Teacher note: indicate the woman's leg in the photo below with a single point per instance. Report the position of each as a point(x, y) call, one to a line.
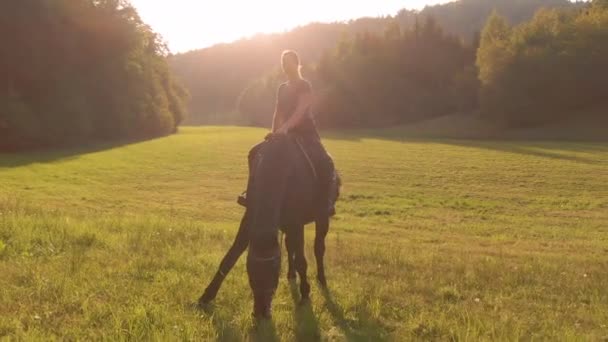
point(324, 169)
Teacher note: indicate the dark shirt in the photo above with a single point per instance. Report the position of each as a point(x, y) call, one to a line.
point(287, 103)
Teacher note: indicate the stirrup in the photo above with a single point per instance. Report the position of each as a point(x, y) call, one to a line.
point(242, 199)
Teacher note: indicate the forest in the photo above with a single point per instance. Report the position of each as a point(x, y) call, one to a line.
point(74, 71)
point(515, 63)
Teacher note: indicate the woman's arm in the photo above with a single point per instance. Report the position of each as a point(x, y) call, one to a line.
point(304, 102)
point(277, 120)
point(278, 117)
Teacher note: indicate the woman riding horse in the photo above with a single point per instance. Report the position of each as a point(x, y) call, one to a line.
point(289, 185)
point(293, 115)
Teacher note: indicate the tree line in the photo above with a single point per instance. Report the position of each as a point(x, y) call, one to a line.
point(82, 70)
point(545, 69)
point(379, 71)
point(538, 72)
point(382, 79)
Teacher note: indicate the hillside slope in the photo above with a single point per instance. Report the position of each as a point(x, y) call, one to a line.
point(581, 126)
point(216, 76)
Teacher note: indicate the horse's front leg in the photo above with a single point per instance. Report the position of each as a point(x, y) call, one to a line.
point(321, 230)
point(238, 247)
point(300, 260)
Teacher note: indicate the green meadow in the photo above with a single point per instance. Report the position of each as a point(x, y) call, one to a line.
point(434, 240)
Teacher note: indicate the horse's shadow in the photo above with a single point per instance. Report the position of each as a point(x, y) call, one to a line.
point(371, 332)
point(306, 323)
point(307, 326)
point(262, 331)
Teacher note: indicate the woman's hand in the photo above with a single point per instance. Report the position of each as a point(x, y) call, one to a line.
point(282, 131)
point(279, 132)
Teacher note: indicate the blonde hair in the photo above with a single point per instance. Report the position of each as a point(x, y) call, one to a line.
point(290, 54)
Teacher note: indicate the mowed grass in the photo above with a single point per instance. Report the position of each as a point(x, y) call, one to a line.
point(434, 240)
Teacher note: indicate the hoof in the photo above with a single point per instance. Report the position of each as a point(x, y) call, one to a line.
point(304, 290)
point(304, 301)
point(322, 282)
point(261, 315)
point(242, 200)
point(203, 307)
point(205, 299)
point(262, 307)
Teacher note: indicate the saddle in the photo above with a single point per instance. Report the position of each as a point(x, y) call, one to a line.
point(325, 176)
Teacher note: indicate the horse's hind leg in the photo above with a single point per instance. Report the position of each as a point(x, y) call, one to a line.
point(300, 260)
point(291, 255)
point(321, 230)
point(234, 253)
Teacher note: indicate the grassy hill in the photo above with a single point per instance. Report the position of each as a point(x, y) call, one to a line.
point(435, 239)
point(588, 125)
point(218, 75)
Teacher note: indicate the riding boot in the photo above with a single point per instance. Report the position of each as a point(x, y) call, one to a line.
point(327, 184)
point(333, 191)
point(242, 199)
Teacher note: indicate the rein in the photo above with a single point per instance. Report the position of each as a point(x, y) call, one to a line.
point(310, 163)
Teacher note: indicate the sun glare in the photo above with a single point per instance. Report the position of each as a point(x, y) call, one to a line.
point(191, 24)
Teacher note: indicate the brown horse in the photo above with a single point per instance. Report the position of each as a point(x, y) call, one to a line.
point(284, 195)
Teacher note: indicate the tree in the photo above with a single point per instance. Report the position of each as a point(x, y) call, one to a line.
point(78, 70)
point(493, 55)
point(546, 69)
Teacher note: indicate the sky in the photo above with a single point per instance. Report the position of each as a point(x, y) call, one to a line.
point(193, 24)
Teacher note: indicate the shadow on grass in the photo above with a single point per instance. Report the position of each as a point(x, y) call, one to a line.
point(48, 155)
point(557, 150)
point(553, 151)
point(261, 331)
point(305, 322)
point(361, 329)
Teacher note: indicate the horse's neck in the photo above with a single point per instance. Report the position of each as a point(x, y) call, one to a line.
point(272, 172)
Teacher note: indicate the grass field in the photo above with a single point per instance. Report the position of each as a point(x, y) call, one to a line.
point(434, 240)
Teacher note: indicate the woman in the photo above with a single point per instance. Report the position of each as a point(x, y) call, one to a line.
point(293, 112)
point(293, 115)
